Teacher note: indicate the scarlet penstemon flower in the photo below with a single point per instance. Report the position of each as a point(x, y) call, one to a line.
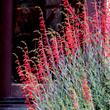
point(71, 30)
point(49, 50)
point(30, 108)
point(68, 30)
point(86, 90)
point(69, 35)
point(106, 28)
point(60, 47)
point(45, 41)
point(54, 46)
point(28, 80)
point(26, 61)
point(19, 68)
point(42, 63)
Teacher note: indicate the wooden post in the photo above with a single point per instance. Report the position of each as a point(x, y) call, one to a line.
point(5, 47)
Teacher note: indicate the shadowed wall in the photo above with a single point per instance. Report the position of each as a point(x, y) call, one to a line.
point(5, 47)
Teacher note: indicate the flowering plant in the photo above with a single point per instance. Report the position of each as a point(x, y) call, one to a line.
point(64, 72)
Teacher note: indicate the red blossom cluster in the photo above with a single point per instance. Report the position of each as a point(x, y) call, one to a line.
point(54, 47)
point(26, 61)
point(19, 69)
point(86, 91)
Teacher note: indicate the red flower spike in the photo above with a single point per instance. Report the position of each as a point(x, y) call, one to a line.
point(86, 91)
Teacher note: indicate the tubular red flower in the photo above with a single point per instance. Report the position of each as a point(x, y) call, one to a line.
point(86, 91)
point(19, 70)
